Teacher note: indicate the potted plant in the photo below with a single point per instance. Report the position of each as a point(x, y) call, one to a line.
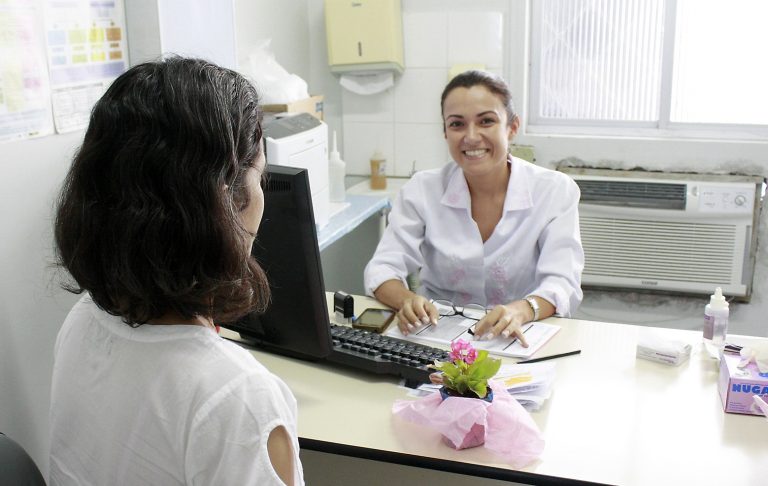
point(466, 375)
point(472, 409)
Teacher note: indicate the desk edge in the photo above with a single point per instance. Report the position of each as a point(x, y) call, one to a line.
point(455, 467)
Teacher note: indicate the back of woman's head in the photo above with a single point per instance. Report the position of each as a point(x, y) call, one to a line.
point(493, 83)
point(148, 220)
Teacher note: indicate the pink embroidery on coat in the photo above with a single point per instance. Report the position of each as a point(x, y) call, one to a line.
point(457, 276)
point(498, 274)
point(496, 297)
point(498, 280)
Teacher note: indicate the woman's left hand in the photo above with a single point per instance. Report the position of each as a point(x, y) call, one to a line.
point(505, 320)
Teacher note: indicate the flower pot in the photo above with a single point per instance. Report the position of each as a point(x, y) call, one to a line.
point(450, 393)
point(475, 436)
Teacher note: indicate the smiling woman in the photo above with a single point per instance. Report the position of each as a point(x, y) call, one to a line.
point(487, 228)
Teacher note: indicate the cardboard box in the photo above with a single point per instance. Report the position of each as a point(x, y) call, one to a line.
point(312, 105)
point(737, 386)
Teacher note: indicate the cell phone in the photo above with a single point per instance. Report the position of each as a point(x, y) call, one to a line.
point(374, 320)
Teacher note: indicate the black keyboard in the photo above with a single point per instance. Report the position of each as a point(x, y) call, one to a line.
point(374, 353)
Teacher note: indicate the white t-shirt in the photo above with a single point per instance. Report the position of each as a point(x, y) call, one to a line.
point(535, 248)
point(161, 405)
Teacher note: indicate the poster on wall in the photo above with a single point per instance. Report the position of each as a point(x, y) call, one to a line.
point(86, 51)
point(25, 103)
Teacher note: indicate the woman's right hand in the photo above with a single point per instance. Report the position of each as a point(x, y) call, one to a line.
point(415, 312)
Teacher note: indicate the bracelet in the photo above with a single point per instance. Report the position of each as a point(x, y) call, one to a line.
point(534, 307)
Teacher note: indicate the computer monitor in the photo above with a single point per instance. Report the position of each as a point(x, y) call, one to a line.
point(296, 322)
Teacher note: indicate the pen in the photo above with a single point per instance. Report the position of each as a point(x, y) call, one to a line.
point(545, 358)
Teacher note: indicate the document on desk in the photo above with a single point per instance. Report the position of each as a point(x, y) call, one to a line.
point(451, 328)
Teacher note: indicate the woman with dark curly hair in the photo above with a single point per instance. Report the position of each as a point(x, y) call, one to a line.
point(155, 224)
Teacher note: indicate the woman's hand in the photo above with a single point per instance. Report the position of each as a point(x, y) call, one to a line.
point(414, 312)
point(505, 320)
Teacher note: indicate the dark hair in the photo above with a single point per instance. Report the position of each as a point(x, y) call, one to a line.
point(148, 218)
point(493, 83)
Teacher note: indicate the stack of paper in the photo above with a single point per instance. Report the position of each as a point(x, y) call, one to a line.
point(531, 383)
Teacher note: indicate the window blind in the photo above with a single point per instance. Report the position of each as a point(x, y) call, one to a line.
point(600, 59)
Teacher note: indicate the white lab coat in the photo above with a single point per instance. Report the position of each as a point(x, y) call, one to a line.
point(535, 248)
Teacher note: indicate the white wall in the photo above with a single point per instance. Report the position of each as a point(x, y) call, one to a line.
point(32, 306)
point(404, 122)
point(320, 79)
point(284, 22)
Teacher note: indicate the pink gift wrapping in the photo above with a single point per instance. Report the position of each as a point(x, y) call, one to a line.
point(510, 432)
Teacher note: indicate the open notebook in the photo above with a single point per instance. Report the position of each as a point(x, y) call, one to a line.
point(451, 328)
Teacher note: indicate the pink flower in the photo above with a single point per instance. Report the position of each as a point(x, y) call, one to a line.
point(462, 350)
point(468, 370)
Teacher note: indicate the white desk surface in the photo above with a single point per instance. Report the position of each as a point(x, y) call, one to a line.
point(359, 208)
point(394, 184)
point(611, 419)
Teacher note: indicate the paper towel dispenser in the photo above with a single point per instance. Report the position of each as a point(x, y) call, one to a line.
point(364, 35)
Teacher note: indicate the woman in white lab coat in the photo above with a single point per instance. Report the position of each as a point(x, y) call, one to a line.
point(487, 228)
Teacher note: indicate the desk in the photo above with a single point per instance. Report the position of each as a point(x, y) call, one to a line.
point(349, 239)
point(611, 419)
point(394, 184)
point(360, 208)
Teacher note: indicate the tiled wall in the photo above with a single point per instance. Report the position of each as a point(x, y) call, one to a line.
point(404, 122)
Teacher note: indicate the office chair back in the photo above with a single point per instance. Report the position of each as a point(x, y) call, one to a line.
point(16, 467)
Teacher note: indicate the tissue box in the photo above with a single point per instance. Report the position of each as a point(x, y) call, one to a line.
point(312, 105)
point(737, 386)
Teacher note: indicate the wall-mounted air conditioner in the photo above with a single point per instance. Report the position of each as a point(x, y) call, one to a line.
point(668, 232)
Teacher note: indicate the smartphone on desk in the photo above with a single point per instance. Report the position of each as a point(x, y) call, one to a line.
point(374, 320)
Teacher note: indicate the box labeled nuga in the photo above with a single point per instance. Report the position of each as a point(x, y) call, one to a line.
point(737, 385)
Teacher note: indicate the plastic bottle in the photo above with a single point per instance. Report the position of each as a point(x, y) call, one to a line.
point(336, 172)
point(378, 171)
point(715, 323)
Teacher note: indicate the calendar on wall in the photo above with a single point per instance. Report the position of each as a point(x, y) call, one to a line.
point(58, 58)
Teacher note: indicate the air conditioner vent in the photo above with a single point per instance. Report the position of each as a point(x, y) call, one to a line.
point(653, 250)
point(650, 195)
